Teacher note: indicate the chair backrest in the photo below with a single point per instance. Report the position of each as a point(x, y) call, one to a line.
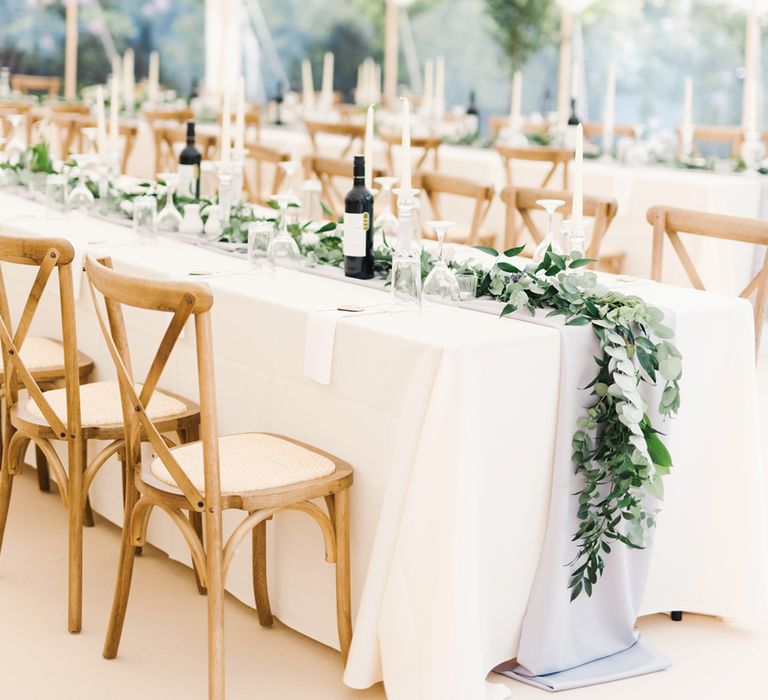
point(352, 130)
point(733, 135)
point(260, 154)
point(433, 184)
point(499, 122)
point(168, 136)
point(669, 222)
point(8, 109)
point(183, 300)
point(36, 83)
point(48, 255)
point(594, 129)
point(428, 145)
point(328, 170)
point(557, 157)
point(520, 201)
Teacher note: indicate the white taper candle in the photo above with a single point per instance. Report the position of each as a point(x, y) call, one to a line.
point(368, 148)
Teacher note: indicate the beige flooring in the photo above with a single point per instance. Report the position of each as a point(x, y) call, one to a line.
point(163, 652)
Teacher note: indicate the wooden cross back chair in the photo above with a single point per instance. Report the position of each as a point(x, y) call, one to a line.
point(160, 121)
point(521, 201)
point(733, 135)
point(75, 414)
point(261, 155)
point(328, 170)
point(434, 184)
point(354, 132)
point(498, 123)
point(51, 85)
point(428, 145)
point(594, 130)
point(260, 473)
point(556, 157)
point(669, 222)
point(8, 109)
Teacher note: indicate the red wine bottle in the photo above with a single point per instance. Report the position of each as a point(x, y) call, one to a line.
point(358, 226)
point(189, 167)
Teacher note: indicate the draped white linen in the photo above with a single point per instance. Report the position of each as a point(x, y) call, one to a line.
point(449, 420)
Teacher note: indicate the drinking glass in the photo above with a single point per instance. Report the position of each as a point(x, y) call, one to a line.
point(56, 193)
point(550, 206)
point(80, 198)
point(467, 286)
point(575, 237)
point(441, 285)
point(15, 147)
point(283, 249)
point(386, 220)
point(169, 218)
point(259, 239)
point(145, 217)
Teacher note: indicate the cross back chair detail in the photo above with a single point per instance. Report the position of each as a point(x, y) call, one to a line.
point(353, 131)
point(75, 414)
point(521, 201)
point(51, 85)
point(327, 171)
point(260, 473)
point(260, 155)
point(428, 145)
point(670, 222)
point(557, 157)
point(433, 184)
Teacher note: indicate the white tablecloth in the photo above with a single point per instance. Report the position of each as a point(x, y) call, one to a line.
point(449, 419)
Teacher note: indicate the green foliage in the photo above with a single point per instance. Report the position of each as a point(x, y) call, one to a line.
point(522, 27)
point(37, 159)
point(616, 449)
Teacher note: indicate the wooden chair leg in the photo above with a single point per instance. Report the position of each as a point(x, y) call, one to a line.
point(43, 476)
point(77, 450)
point(88, 514)
point(197, 523)
point(6, 486)
point(215, 614)
point(124, 577)
point(260, 589)
point(124, 478)
point(343, 597)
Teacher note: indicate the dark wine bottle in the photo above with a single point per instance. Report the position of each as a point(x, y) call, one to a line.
point(358, 226)
point(189, 167)
point(472, 109)
point(573, 120)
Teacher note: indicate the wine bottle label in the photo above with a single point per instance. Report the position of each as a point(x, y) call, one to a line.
point(355, 227)
point(187, 184)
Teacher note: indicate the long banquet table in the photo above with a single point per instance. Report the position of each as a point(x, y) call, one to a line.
point(449, 420)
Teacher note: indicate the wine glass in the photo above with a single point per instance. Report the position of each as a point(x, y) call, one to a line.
point(441, 285)
point(283, 249)
point(386, 220)
point(80, 197)
point(550, 206)
point(15, 147)
point(169, 218)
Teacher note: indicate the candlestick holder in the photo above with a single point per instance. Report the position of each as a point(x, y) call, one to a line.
point(574, 236)
point(686, 142)
point(238, 173)
point(225, 191)
point(406, 258)
point(752, 151)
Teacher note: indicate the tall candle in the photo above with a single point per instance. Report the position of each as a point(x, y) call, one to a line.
point(226, 125)
point(577, 211)
point(515, 111)
point(128, 79)
point(240, 116)
point(308, 87)
point(101, 121)
point(153, 80)
point(368, 148)
point(405, 148)
point(440, 86)
point(609, 112)
point(688, 104)
point(429, 82)
point(114, 112)
point(749, 100)
point(327, 87)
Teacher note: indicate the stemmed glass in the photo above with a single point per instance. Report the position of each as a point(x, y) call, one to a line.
point(80, 197)
point(550, 206)
point(283, 249)
point(441, 285)
point(386, 220)
point(169, 218)
point(15, 146)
